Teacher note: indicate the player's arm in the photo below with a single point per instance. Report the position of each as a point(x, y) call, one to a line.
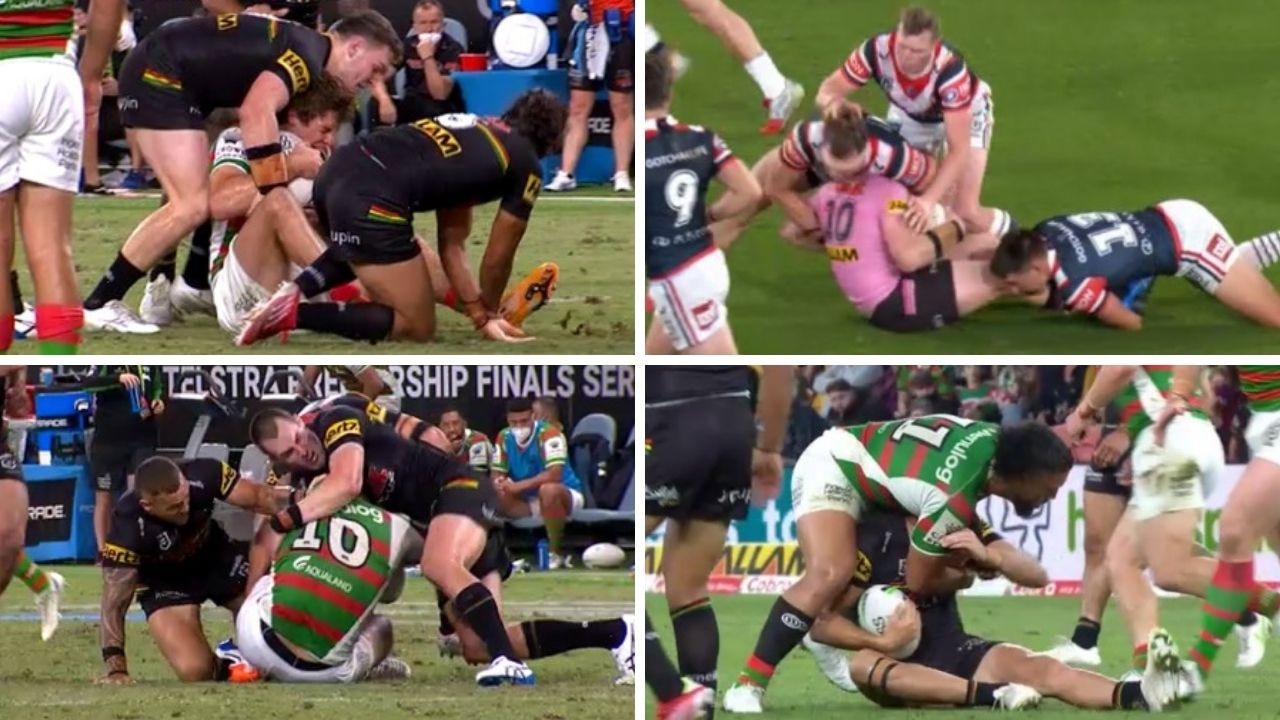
point(742, 190)
point(928, 570)
point(453, 226)
point(853, 74)
point(957, 123)
point(259, 497)
point(439, 83)
point(265, 542)
point(232, 193)
point(371, 385)
point(1107, 384)
point(495, 267)
point(268, 95)
point(343, 441)
point(118, 586)
point(1113, 312)
point(310, 374)
point(1017, 565)
point(101, 31)
point(498, 469)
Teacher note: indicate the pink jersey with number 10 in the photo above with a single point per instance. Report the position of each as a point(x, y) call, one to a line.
point(850, 216)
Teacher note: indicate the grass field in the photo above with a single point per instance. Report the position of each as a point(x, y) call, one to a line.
point(589, 235)
point(55, 680)
point(799, 690)
point(1099, 106)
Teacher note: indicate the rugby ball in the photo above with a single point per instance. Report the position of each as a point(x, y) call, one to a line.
point(876, 606)
point(603, 555)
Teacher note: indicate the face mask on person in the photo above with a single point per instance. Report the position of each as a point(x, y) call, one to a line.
point(522, 434)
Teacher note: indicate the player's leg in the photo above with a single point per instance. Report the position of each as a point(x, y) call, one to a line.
point(974, 285)
point(9, 303)
point(13, 527)
point(45, 216)
point(720, 342)
point(1102, 512)
point(1134, 595)
point(694, 546)
point(622, 104)
point(892, 683)
point(968, 191)
point(179, 635)
point(1247, 291)
point(690, 305)
point(401, 305)
point(555, 502)
point(582, 96)
point(1052, 678)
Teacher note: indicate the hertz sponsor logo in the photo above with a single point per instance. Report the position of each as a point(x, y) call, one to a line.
point(341, 429)
point(299, 75)
point(743, 559)
point(117, 554)
point(445, 140)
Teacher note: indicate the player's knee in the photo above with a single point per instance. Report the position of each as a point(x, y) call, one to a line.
point(1234, 534)
point(1095, 545)
point(194, 669)
point(416, 329)
point(1171, 576)
point(552, 493)
point(191, 210)
point(972, 216)
point(830, 573)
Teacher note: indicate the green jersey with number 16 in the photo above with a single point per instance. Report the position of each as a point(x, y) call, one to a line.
point(331, 573)
point(937, 468)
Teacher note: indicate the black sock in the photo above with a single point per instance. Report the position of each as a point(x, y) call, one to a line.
point(782, 631)
point(983, 694)
point(697, 642)
point(358, 321)
point(552, 637)
point(446, 625)
point(196, 270)
point(115, 282)
point(476, 604)
point(659, 674)
point(166, 267)
point(16, 290)
point(1247, 618)
point(221, 669)
point(325, 273)
point(1086, 634)
point(1128, 696)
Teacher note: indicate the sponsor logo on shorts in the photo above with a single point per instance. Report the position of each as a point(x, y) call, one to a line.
point(344, 238)
point(706, 314)
point(735, 497)
point(299, 75)
point(8, 462)
point(488, 513)
point(341, 429)
point(664, 495)
point(838, 493)
point(1219, 247)
point(623, 79)
point(125, 102)
point(794, 622)
point(47, 512)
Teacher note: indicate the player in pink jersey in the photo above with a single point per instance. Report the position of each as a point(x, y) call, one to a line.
point(939, 103)
point(899, 279)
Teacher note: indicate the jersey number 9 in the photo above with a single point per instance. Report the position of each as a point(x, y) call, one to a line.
point(682, 195)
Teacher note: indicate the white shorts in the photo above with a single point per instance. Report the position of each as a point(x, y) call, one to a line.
point(235, 293)
point(1263, 436)
point(41, 123)
point(253, 613)
point(1205, 249)
point(690, 300)
point(535, 505)
point(818, 483)
point(932, 137)
point(1187, 437)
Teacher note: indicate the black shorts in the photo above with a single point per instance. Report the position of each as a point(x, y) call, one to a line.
point(955, 654)
point(468, 493)
point(923, 300)
point(495, 557)
point(218, 573)
point(619, 71)
point(367, 220)
point(1107, 483)
point(113, 461)
point(698, 459)
point(151, 92)
point(10, 467)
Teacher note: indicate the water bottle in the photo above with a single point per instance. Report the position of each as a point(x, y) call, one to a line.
point(46, 376)
point(544, 555)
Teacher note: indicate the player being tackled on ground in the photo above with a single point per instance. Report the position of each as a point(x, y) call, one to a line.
point(366, 197)
point(934, 468)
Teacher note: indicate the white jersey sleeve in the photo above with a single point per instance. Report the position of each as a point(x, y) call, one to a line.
point(228, 151)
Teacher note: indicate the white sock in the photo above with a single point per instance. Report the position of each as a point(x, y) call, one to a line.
point(1263, 250)
point(1000, 223)
point(766, 75)
point(651, 38)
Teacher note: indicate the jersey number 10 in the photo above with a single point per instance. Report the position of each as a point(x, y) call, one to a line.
point(339, 530)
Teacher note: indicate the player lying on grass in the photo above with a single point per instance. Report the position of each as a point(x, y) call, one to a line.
point(1089, 262)
point(935, 468)
point(898, 279)
point(951, 666)
point(941, 106)
point(164, 544)
point(366, 197)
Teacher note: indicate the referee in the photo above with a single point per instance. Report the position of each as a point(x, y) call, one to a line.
point(128, 400)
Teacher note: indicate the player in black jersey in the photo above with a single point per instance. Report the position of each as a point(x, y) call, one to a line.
point(688, 277)
point(303, 12)
point(409, 427)
point(164, 543)
point(456, 507)
point(701, 473)
point(366, 197)
point(184, 70)
point(13, 491)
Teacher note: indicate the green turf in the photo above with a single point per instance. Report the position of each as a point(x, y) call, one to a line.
point(55, 680)
point(799, 690)
point(593, 311)
point(1099, 106)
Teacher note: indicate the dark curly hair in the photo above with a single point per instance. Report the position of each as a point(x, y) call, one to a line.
point(1016, 250)
point(539, 116)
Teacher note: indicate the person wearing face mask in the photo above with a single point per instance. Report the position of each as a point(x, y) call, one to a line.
point(164, 544)
point(533, 476)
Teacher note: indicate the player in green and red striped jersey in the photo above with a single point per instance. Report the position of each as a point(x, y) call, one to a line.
point(1251, 513)
point(312, 618)
point(934, 468)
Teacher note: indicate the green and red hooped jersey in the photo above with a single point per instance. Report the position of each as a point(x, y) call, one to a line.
point(36, 28)
point(1261, 387)
point(1150, 386)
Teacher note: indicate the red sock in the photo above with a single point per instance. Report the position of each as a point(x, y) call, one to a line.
point(59, 328)
point(6, 332)
point(349, 292)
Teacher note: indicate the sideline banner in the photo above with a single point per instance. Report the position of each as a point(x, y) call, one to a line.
point(763, 558)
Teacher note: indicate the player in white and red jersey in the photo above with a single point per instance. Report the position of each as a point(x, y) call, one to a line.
point(939, 103)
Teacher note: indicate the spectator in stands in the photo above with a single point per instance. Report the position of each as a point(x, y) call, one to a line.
point(532, 475)
point(977, 394)
point(930, 382)
point(430, 56)
point(589, 69)
point(841, 402)
point(546, 410)
point(469, 446)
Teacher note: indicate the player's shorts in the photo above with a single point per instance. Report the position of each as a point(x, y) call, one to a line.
point(235, 294)
point(10, 468)
point(1187, 437)
point(818, 483)
point(690, 300)
point(468, 493)
point(1204, 247)
point(1106, 482)
point(1263, 436)
point(495, 558)
point(151, 93)
point(264, 650)
point(112, 461)
point(575, 497)
point(932, 137)
point(41, 123)
point(923, 300)
point(698, 458)
point(619, 71)
point(217, 574)
point(958, 655)
point(368, 220)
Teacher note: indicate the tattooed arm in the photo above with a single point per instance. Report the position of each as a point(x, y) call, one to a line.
point(118, 585)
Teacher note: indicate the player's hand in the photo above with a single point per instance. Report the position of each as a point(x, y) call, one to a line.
point(903, 626)
point(1172, 409)
point(919, 213)
point(1075, 425)
point(766, 476)
point(129, 380)
point(966, 542)
point(110, 86)
point(304, 161)
point(427, 46)
point(1111, 449)
point(115, 677)
point(503, 331)
point(157, 407)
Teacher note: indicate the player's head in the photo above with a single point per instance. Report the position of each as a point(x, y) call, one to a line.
point(538, 116)
point(659, 76)
point(453, 425)
point(1021, 260)
point(917, 34)
point(545, 408)
point(314, 115)
point(845, 153)
point(520, 418)
point(286, 439)
point(428, 16)
point(1031, 463)
point(365, 49)
point(162, 490)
